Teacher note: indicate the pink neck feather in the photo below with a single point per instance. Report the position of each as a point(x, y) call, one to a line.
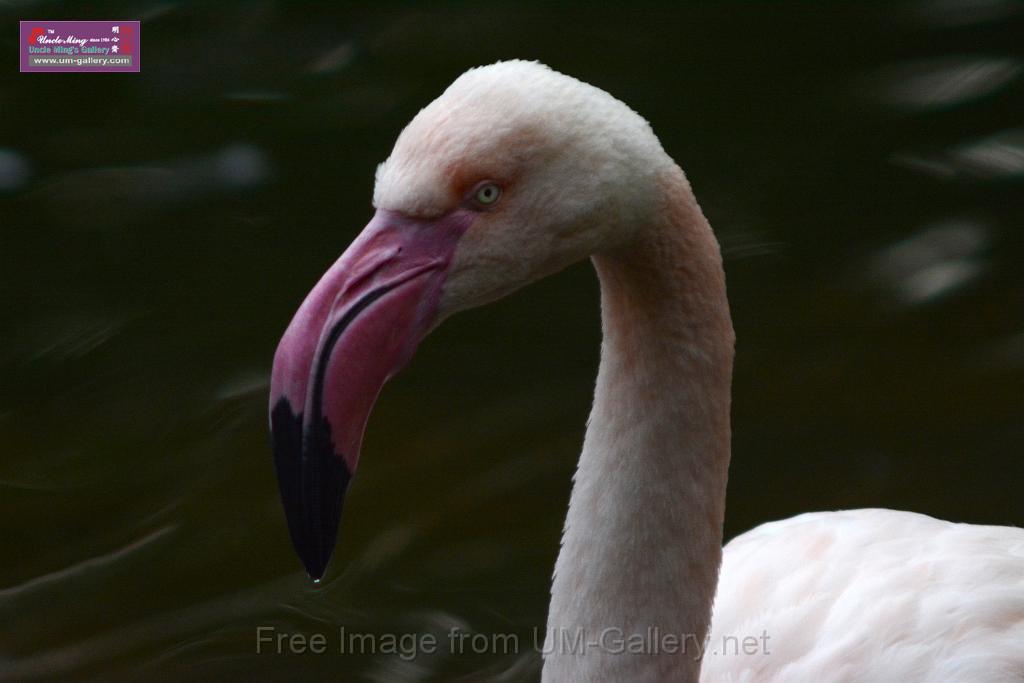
point(643, 536)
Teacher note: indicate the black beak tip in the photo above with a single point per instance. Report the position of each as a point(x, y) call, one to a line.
point(315, 566)
point(313, 480)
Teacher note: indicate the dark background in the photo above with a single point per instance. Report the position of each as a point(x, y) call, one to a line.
point(862, 165)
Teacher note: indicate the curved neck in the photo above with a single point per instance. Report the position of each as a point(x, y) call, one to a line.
point(639, 562)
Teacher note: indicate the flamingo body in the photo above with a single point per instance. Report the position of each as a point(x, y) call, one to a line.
point(513, 173)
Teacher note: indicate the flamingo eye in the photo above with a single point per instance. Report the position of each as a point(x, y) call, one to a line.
point(487, 194)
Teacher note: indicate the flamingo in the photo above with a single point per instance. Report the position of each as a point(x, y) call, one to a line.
point(513, 173)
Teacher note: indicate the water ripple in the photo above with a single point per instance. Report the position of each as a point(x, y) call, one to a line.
point(995, 157)
point(945, 82)
point(109, 194)
point(69, 336)
point(966, 12)
point(932, 263)
point(72, 573)
point(14, 170)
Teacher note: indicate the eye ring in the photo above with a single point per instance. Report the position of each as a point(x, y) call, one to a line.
point(487, 194)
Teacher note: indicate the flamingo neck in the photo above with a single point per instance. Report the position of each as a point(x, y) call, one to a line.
point(643, 536)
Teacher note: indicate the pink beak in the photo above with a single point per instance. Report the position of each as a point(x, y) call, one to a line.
point(357, 328)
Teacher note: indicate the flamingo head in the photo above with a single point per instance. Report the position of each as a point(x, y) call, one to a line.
point(514, 172)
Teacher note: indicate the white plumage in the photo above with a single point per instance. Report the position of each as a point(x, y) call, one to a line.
point(871, 595)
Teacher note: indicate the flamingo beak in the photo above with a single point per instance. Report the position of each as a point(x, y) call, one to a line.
point(357, 328)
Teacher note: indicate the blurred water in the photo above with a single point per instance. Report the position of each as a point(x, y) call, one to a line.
point(861, 163)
